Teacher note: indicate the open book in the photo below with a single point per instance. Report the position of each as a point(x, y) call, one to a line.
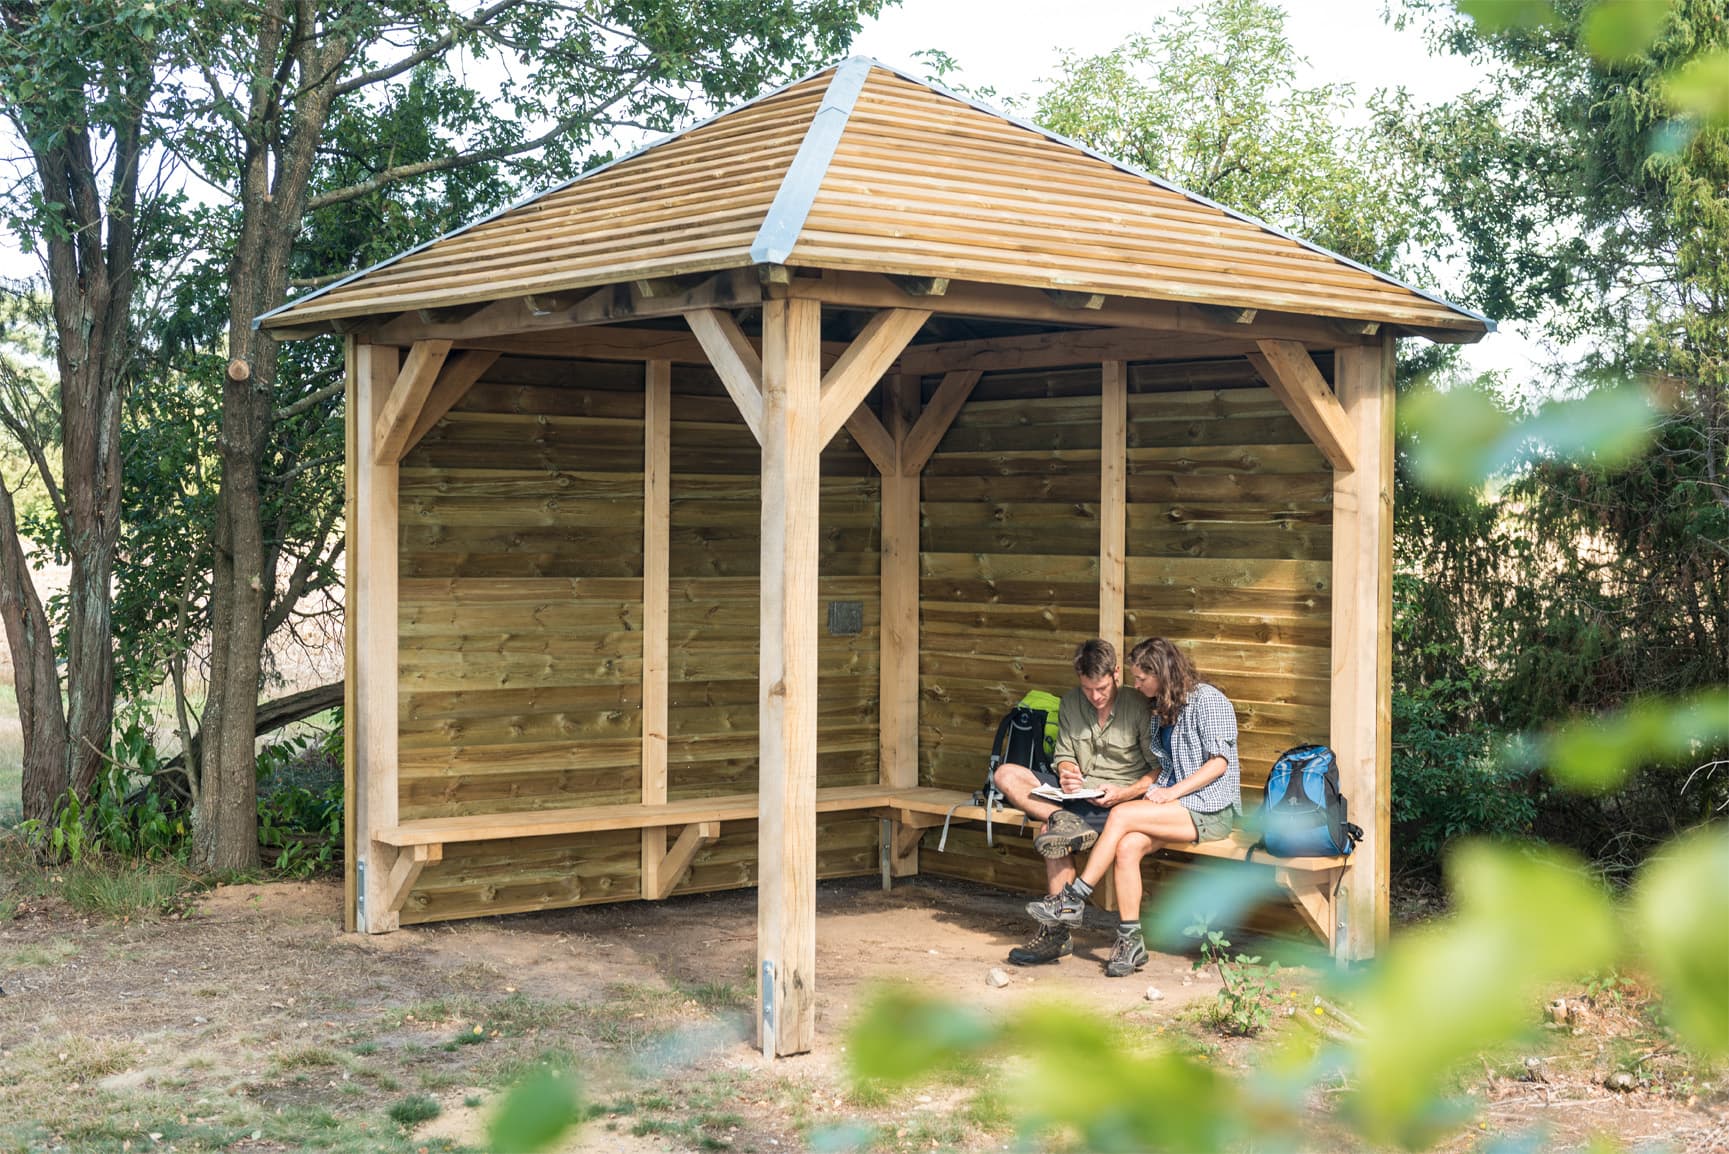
point(1053, 793)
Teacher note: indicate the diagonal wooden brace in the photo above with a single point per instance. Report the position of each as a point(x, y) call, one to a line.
point(405, 871)
point(678, 859)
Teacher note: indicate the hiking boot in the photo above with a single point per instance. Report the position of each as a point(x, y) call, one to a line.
point(1049, 944)
point(1064, 833)
point(1127, 956)
point(1063, 908)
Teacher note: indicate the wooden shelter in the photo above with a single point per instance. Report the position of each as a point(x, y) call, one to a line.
point(706, 512)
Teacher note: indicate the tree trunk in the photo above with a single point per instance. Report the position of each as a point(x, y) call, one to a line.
point(275, 173)
point(34, 675)
point(227, 829)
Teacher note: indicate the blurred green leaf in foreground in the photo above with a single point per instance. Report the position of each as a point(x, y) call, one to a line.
point(1461, 438)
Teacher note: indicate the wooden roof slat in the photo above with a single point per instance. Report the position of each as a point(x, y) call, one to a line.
point(860, 168)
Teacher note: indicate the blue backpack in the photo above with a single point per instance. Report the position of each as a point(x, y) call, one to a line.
point(1303, 812)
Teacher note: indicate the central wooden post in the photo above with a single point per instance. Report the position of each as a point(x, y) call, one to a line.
point(1113, 501)
point(898, 677)
point(786, 829)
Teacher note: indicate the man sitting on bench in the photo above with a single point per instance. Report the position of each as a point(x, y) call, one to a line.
point(1101, 737)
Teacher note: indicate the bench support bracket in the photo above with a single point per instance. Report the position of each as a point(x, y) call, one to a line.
point(678, 859)
point(405, 871)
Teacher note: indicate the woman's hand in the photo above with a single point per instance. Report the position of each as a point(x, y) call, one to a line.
point(1162, 795)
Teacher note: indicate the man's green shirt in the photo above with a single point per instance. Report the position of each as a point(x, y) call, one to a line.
point(1111, 753)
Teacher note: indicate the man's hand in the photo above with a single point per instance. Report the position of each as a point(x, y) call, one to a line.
point(1069, 777)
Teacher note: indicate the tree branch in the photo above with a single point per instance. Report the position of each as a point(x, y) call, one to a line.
point(436, 47)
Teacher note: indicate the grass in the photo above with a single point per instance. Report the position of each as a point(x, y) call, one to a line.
point(49, 953)
point(414, 1109)
point(125, 889)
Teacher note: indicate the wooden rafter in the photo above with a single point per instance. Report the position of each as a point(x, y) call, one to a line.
point(735, 361)
point(922, 440)
point(1291, 373)
point(407, 396)
point(845, 386)
point(1065, 347)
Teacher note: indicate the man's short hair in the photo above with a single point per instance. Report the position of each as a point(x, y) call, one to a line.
point(1095, 659)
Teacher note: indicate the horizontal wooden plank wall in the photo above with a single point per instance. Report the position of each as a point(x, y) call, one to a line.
point(1228, 553)
point(521, 616)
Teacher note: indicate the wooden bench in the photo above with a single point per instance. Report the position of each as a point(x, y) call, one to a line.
point(422, 841)
point(1312, 881)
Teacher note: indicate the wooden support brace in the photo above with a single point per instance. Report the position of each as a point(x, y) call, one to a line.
point(734, 359)
point(870, 436)
point(405, 871)
point(459, 374)
point(852, 377)
point(922, 440)
point(691, 840)
point(407, 397)
point(1291, 373)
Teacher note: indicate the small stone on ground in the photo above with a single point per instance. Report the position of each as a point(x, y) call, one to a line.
point(997, 977)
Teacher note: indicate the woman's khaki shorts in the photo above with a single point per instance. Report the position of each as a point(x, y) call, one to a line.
point(1213, 826)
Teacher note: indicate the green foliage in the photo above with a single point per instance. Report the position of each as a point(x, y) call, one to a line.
point(1461, 438)
point(1208, 99)
point(120, 817)
point(302, 824)
point(535, 1113)
point(1523, 919)
point(1246, 990)
point(1681, 911)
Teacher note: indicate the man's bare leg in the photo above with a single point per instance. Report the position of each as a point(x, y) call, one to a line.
point(1017, 782)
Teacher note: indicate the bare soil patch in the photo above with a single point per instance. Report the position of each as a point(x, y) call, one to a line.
point(254, 1023)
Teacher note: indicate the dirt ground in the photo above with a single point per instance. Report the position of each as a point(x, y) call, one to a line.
point(251, 1022)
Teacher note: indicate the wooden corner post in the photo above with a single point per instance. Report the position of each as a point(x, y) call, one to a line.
point(370, 722)
point(787, 701)
point(1361, 713)
point(898, 673)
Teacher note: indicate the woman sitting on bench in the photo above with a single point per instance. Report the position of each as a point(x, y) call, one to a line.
point(1193, 741)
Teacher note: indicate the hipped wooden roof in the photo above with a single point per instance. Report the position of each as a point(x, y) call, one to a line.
point(861, 167)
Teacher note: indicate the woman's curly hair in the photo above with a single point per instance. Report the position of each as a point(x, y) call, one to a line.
point(1176, 674)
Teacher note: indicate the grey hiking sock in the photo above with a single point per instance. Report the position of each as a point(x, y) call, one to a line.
point(1128, 929)
point(1081, 889)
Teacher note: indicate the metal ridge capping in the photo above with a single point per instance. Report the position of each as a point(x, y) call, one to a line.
point(530, 198)
point(804, 176)
point(1122, 166)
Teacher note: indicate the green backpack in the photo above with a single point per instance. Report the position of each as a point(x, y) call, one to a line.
point(1027, 736)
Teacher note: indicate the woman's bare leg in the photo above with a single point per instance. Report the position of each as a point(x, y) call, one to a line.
point(1131, 851)
point(1160, 821)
